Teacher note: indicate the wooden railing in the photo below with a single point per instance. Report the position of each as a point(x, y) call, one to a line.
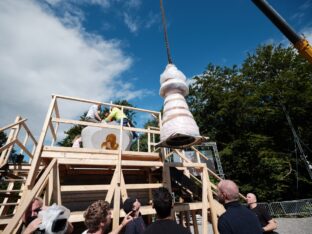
point(13, 140)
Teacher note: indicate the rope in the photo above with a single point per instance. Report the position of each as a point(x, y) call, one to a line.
point(165, 31)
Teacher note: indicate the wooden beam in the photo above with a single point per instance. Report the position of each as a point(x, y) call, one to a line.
point(29, 133)
point(24, 148)
point(99, 162)
point(36, 159)
point(12, 125)
point(52, 130)
point(142, 164)
point(143, 186)
point(28, 198)
point(94, 187)
point(106, 104)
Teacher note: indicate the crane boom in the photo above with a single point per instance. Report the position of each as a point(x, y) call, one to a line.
point(300, 43)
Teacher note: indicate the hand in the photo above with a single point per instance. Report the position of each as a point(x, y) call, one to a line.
point(33, 226)
point(127, 219)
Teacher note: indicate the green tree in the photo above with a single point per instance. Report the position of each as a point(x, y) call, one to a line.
point(241, 109)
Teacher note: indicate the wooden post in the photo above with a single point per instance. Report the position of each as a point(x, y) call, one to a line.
point(28, 197)
point(193, 213)
point(36, 160)
point(213, 211)
point(205, 201)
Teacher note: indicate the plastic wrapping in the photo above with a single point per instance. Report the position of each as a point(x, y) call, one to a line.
point(170, 72)
point(95, 137)
point(177, 119)
point(50, 219)
point(173, 86)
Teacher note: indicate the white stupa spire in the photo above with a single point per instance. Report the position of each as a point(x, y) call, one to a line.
point(179, 128)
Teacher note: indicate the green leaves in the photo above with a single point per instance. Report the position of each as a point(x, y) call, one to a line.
point(241, 110)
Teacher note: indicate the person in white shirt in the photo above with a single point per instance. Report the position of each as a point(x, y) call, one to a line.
point(93, 115)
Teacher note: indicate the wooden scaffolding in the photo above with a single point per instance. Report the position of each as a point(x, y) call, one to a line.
point(75, 177)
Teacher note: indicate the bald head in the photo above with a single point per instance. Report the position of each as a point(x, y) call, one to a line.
point(251, 199)
point(227, 191)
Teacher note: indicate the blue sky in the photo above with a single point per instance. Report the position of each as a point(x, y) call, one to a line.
point(114, 49)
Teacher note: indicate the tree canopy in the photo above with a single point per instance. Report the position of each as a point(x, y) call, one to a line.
point(241, 109)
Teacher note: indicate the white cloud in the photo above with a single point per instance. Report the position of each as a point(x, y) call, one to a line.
point(151, 20)
point(39, 56)
point(131, 23)
point(133, 3)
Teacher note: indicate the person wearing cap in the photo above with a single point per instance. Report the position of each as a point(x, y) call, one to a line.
point(93, 115)
point(162, 203)
point(268, 224)
point(137, 225)
point(98, 217)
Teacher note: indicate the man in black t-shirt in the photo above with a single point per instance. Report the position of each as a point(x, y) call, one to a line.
point(162, 203)
point(268, 224)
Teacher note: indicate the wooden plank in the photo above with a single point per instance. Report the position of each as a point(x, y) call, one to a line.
point(123, 190)
point(94, 187)
point(29, 133)
point(102, 125)
point(194, 221)
point(99, 162)
point(142, 164)
point(205, 204)
point(53, 132)
point(213, 212)
point(24, 148)
point(143, 186)
point(12, 125)
point(107, 104)
point(72, 155)
point(8, 145)
point(36, 159)
point(4, 221)
point(77, 150)
point(27, 199)
point(178, 207)
point(111, 189)
point(85, 123)
point(9, 204)
point(185, 164)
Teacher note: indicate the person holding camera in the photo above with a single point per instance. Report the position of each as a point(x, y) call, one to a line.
point(50, 219)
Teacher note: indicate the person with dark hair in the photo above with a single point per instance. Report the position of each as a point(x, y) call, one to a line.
point(162, 203)
point(268, 224)
point(98, 217)
point(237, 219)
point(137, 225)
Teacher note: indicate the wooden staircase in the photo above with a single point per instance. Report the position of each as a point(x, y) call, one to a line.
point(75, 177)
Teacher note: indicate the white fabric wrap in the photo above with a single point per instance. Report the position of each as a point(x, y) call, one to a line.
point(93, 137)
point(177, 119)
point(52, 213)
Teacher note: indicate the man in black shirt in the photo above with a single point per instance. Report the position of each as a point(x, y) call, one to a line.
point(237, 219)
point(162, 203)
point(268, 224)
